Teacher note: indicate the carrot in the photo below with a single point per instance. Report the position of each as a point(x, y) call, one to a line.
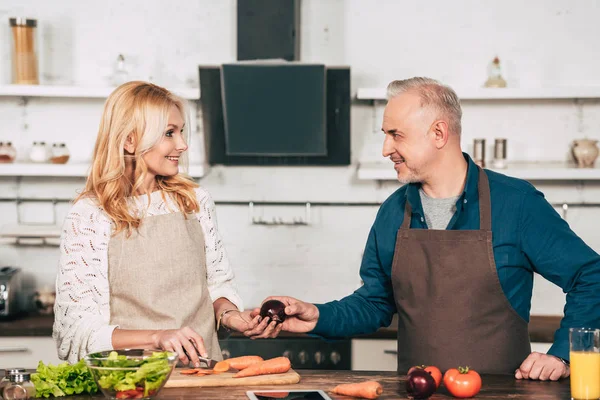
point(221, 366)
point(243, 362)
point(365, 390)
point(203, 371)
point(278, 365)
point(188, 371)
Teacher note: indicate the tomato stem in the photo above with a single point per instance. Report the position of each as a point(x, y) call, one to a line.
point(463, 370)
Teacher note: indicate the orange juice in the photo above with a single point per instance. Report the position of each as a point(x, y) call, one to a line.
point(585, 375)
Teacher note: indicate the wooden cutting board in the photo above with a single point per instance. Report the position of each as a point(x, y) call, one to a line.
point(176, 380)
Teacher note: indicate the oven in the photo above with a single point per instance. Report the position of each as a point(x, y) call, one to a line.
point(304, 352)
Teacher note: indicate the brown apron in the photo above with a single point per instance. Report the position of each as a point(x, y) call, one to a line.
point(157, 278)
point(451, 308)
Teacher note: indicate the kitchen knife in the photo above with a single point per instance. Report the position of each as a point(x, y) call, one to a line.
point(210, 363)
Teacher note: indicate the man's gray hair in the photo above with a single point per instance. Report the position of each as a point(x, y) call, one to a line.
point(435, 95)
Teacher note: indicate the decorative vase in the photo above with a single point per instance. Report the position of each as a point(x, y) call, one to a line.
point(585, 152)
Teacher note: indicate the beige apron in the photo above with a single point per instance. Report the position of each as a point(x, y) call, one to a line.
point(157, 278)
point(451, 307)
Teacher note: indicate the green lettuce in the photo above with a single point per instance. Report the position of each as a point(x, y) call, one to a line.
point(66, 379)
point(150, 375)
point(63, 379)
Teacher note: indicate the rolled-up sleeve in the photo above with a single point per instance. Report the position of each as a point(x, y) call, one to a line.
point(563, 258)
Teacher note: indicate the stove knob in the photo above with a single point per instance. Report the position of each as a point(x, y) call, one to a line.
point(225, 353)
point(303, 357)
point(335, 357)
point(288, 354)
point(319, 357)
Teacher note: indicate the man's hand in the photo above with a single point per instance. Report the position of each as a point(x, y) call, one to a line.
point(301, 317)
point(543, 367)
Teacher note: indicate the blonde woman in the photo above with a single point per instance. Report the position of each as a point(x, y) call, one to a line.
point(142, 264)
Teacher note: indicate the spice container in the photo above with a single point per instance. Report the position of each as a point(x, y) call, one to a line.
point(4, 158)
point(39, 152)
point(10, 151)
point(7, 152)
point(19, 387)
point(60, 153)
point(479, 152)
point(24, 51)
point(5, 380)
point(500, 153)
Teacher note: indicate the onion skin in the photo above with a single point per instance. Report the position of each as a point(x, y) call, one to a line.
point(274, 309)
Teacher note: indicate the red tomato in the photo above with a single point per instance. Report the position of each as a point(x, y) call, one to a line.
point(129, 394)
point(436, 374)
point(462, 382)
point(433, 371)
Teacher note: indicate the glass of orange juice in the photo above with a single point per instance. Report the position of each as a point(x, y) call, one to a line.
point(585, 363)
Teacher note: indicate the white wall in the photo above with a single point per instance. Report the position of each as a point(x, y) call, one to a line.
point(540, 43)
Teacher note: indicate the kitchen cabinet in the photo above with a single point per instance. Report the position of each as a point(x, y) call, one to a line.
point(27, 351)
point(374, 354)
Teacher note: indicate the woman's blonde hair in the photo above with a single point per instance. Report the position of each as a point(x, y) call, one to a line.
point(140, 110)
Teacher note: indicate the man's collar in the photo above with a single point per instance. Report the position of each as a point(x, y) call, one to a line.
point(470, 191)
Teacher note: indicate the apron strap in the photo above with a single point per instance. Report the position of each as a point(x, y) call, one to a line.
point(485, 204)
point(407, 216)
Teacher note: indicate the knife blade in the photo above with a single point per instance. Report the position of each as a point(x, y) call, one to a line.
point(210, 363)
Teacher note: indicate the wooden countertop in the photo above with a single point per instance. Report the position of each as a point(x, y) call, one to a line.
point(494, 387)
point(541, 328)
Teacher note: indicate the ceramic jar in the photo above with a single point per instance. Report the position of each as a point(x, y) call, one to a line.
point(60, 153)
point(39, 152)
point(585, 152)
point(7, 152)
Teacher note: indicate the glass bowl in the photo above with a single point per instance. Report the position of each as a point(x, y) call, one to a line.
point(131, 373)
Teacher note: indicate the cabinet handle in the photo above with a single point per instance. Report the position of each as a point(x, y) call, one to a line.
point(394, 352)
point(14, 349)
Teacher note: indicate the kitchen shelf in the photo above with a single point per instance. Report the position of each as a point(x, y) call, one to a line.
point(91, 92)
point(480, 93)
point(67, 170)
point(551, 171)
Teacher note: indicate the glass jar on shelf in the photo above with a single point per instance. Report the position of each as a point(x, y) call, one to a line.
point(3, 153)
point(10, 151)
point(19, 387)
point(39, 152)
point(60, 153)
point(24, 51)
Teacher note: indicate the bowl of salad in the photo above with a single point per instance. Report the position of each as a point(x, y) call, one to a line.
point(131, 373)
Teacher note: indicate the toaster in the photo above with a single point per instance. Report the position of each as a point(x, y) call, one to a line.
point(10, 288)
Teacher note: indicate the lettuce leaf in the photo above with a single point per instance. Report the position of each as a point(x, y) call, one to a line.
point(67, 379)
point(63, 379)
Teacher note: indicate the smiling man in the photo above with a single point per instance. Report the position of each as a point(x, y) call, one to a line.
point(454, 251)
